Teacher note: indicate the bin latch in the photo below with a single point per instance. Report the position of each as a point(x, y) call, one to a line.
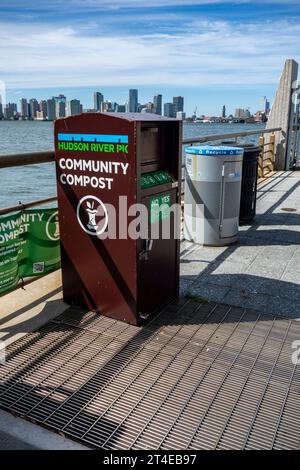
point(144, 254)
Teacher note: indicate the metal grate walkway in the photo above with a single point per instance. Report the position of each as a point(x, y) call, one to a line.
point(198, 376)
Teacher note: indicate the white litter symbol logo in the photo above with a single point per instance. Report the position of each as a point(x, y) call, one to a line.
point(92, 215)
point(52, 227)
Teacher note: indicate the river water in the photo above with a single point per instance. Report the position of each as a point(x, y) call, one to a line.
point(24, 184)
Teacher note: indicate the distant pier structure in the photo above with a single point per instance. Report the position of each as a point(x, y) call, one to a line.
point(285, 114)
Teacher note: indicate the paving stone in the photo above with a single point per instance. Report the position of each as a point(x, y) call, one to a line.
point(209, 291)
point(258, 237)
point(186, 247)
point(263, 268)
point(267, 286)
point(287, 235)
point(245, 253)
point(292, 228)
point(297, 254)
point(271, 219)
point(189, 268)
point(269, 230)
point(185, 285)
point(292, 203)
point(277, 253)
point(225, 273)
point(246, 299)
point(283, 306)
point(292, 275)
point(207, 253)
point(8, 442)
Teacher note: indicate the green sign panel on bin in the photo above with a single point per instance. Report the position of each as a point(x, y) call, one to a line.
point(160, 207)
point(148, 180)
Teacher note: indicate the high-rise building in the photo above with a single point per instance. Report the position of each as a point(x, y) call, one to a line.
point(60, 105)
point(169, 110)
point(146, 108)
point(133, 101)
point(7, 112)
point(98, 100)
point(33, 108)
point(224, 111)
point(60, 98)
point(157, 104)
point(10, 110)
point(51, 109)
point(121, 108)
point(60, 109)
point(178, 102)
point(1, 108)
point(107, 106)
point(40, 116)
point(265, 105)
point(239, 113)
point(23, 108)
point(73, 107)
point(260, 116)
point(43, 107)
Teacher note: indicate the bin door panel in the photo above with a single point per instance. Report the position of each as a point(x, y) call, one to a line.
point(230, 198)
point(157, 258)
point(97, 273)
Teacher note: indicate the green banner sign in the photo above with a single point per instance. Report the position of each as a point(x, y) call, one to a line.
point(29, 245)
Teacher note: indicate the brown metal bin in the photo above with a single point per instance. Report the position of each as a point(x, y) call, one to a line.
point(140, 160)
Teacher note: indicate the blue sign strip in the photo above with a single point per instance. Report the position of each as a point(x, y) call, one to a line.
point(109, 138)
point(213, 151)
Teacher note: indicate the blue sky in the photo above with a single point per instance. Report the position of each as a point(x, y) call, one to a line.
point(212, 52)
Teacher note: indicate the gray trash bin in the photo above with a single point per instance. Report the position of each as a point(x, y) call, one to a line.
point(212, 194)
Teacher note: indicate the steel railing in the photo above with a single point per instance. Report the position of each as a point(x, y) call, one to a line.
point(31, 158)
point(22, 159)
point(233, 135)
point(20, 206)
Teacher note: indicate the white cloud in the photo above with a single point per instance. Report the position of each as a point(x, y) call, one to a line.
point(116, 4)
point(207, 53)
point(113, 4)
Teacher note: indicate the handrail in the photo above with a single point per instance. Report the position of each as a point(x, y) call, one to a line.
point(27, 205)
point(21, 159)
point(208, 138)
point(30, 158)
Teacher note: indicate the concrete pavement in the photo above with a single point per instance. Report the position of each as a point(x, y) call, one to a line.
point(18, 434)
point(262, 270)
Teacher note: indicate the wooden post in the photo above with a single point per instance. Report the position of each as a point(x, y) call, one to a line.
point(261, 143)
point(282, 114)
point(272, 150)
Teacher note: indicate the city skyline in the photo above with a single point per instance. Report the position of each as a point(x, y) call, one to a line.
point(120, 94)
point(59, 106)
point(209, 51)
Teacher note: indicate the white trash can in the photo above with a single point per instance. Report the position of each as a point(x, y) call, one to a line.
point(212, 194)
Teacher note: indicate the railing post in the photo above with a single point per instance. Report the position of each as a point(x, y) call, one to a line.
point(272, 150)
point(261, 143)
